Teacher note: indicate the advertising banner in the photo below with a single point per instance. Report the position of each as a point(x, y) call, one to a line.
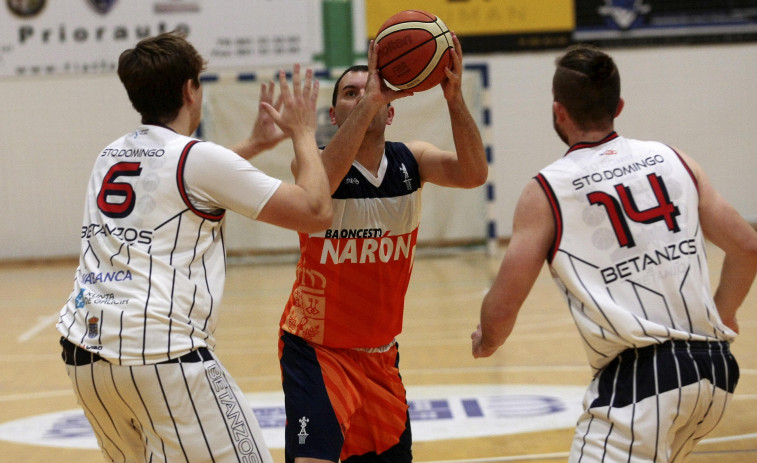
point(655, 22)
point(48, 37)
point(489, 25)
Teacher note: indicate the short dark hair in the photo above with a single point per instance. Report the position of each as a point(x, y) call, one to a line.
point(355, 68)
point(587, 83)
point(154, 73)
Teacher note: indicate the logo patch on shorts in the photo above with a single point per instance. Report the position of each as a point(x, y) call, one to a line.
point(303, 433)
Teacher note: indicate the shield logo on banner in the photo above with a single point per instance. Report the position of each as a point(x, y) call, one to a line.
point(625, 14)
point(102, 6)
point(25, 8)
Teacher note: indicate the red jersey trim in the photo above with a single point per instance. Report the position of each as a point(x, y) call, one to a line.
point(688, 169)
point(556, 213)
point(583, 144)
point(182, 187)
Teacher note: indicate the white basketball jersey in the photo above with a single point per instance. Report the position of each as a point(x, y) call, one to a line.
point(629, 252)
point(152, 266)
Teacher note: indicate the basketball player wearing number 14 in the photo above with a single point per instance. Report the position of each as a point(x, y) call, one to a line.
point(622, 224)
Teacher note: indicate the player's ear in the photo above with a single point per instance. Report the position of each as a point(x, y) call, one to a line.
point(559, 111)
point(332, 115)
point(189, 91)
point(621, 104)
point(389, 115)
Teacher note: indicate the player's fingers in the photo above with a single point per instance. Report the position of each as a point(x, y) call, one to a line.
point(314, 93)
point(456, 56)
point(267, 91)
point(308, 87)
point(270, 110)
point(283, 85)
point(458, 47)
point(297, 90)
point(372, 55)
point(263, 92)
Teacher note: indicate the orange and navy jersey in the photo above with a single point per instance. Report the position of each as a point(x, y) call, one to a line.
point(352, 278)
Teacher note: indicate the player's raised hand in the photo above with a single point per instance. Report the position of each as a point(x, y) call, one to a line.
point(376, 87)
point(296, 111)
point(265, 133)
point(452, 84)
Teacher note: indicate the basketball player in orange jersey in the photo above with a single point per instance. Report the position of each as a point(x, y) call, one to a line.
point(622, 224)
point(339, 360)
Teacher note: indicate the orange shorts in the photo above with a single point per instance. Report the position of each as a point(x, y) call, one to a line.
point(342, 402)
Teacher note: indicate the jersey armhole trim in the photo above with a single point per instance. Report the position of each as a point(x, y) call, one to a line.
point(182, 186)
point(556, 214)
point(688, 169)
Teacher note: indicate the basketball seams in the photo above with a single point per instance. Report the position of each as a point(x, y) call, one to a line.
point(436, 61)
point(411, 25)
point(398, 60)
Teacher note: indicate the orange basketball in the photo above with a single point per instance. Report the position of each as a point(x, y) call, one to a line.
point(414, 47)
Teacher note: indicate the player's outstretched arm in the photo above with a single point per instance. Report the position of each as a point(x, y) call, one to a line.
point(343, 147)
point(265, 133)
point(533, 234)
point(467, 166)
point(305, 205)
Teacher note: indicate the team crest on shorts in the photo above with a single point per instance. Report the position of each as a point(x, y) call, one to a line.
point(93, 324)
point(303, 434)
point(102, 6)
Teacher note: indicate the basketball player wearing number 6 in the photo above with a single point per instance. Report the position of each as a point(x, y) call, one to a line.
point(137, 330)
point(622, 224)
point(340, 365)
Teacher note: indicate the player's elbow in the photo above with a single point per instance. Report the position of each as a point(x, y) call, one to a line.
point(749, 252)
point(475, 178)
point(319, 217)
point(480, 178)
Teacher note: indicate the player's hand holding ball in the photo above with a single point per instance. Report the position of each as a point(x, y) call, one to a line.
point(414, 48)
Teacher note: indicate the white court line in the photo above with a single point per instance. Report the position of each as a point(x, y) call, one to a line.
point(717, 440)
point(43, 322)
point(542, 456)
point(562, 455)
point(36, 395)
point(486, 369)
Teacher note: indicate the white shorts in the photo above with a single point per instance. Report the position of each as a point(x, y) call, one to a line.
point(189, 409)
point(656, 403)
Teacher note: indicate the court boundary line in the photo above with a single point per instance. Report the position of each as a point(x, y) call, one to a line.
point(561, 455)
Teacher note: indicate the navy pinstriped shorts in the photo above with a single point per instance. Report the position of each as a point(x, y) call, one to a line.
point(663, 367)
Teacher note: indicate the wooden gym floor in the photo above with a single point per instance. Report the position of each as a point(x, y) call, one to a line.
point(441, 311)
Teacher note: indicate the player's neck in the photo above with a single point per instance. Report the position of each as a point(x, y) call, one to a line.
point(370, 153)
point(589, 136)
point(184, 123)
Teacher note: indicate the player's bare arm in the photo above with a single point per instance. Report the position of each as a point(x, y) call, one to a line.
point(265, 133)
point(728, 230)
point(305, 205)
point(533, 235)
point(366, 98)
point(467, 166)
